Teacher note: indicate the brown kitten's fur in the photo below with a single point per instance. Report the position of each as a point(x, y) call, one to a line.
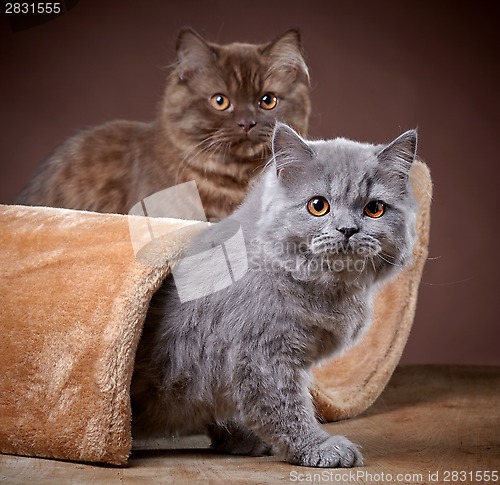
point(111, 167)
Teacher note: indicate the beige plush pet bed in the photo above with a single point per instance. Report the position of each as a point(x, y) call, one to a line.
point(73, 301)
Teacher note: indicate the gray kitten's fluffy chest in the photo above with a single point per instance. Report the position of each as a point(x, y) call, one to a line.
point(320, 319)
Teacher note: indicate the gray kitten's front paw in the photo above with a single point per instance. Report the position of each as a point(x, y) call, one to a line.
point(335, 452)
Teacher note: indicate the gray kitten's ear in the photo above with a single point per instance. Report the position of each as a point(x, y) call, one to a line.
point(400, 153)
point(193, 53)
point(290, 153)
point(285, 54)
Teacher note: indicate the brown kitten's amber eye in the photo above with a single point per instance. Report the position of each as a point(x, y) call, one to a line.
point(318, 206)
point(268, 101)
point(375, 209)
point(220, 102)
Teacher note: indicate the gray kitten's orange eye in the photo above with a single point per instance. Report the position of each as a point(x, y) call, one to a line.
point(318, 206)
point(268, 101)
point(374, 209)
point(220, 102)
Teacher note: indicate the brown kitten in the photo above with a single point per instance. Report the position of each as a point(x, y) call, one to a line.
point(214, 125)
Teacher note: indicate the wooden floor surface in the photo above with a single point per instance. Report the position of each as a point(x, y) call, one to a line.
point(432, 424)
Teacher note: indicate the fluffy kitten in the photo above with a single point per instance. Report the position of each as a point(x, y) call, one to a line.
point(323, 226)
point(214, 126)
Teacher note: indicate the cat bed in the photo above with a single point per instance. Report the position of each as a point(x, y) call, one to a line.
point(74, 295)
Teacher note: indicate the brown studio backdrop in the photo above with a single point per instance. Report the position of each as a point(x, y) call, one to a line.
point(377, 68)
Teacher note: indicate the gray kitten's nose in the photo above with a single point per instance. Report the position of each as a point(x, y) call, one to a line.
point(348, 231)
point(247, 125)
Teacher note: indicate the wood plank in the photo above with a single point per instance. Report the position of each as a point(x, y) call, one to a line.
point(430, 421)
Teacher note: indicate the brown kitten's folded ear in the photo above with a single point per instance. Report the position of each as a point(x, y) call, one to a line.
point(193, 53)
point(286, 55)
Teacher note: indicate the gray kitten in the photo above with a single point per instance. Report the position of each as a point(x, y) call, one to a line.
point(325, 223)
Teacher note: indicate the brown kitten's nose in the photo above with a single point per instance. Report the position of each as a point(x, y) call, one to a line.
point(246, 125)
point(348, 231)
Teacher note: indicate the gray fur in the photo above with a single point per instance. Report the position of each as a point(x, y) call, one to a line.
point(236, 364)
